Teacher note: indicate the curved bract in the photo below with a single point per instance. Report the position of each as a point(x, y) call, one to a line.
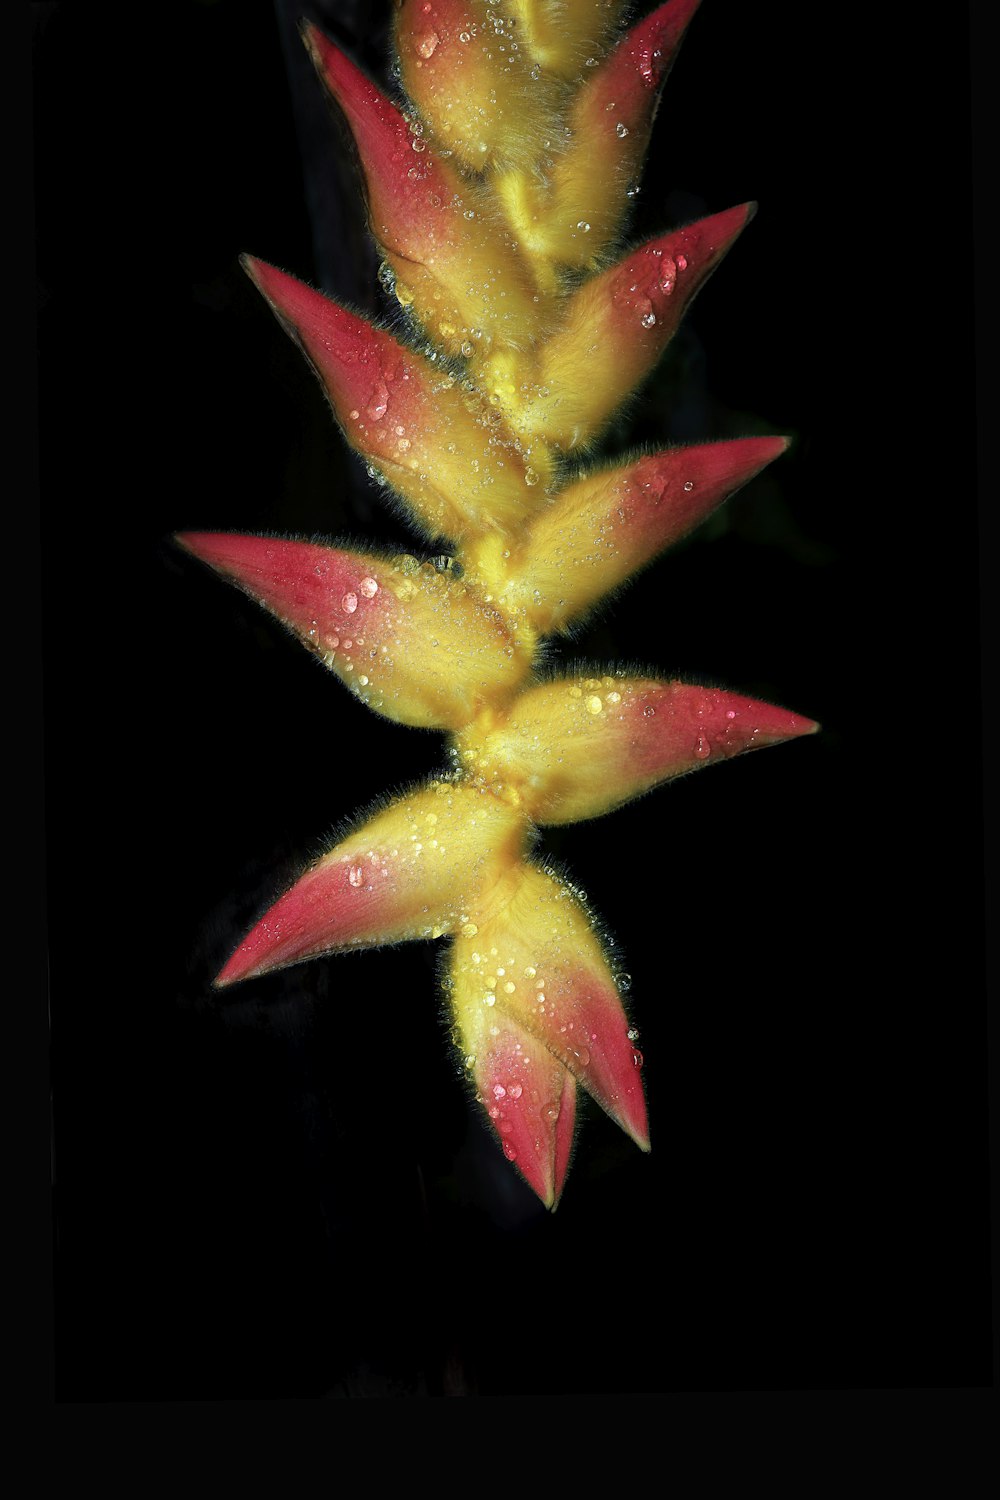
point(497, 192)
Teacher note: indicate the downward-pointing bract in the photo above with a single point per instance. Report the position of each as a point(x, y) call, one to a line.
point(497, 194)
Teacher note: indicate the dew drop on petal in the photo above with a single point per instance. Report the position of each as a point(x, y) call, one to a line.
point(368, 587)
point(426, 44)
point(702, 749)
point(349, 603)
point(688, 485)
point(356, 875)
point(515, 1091)
point(379, 403)
point(594, 704)
point(621, 131)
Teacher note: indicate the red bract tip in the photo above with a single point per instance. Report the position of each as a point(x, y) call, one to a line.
point(404, 874)
point(440, 448)
point(330, 907)
point(650, 290)
point(619, 323)
point(302, 583)
point(626, 85)
point(610, 124)
point(410, 191)
point(677, 727)
point(602, 529)
point(530, 1100)
point(349, 353)
point(535, 963)
point(369, 618)
point(578, 747)
point(445, 246)
point(652, 44)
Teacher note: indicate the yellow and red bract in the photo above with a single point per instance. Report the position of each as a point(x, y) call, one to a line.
point(497, 193)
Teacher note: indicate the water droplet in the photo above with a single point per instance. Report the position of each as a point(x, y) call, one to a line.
point(356, 875)
point(633, 1033)
point(463, 36)
point(418, 144)
point(594, 704)
point(427, 43)
point(649, 712)
point(648, 319)
point(349, 603)
point(509, 987)
point(489, 998)
point(508, 1151)
point(582, 1055)
point(530, 477)
point(689, 485)
point(702, 749)
point(621, 131)
point(583, 226)
point(682, 262)
point(551, 1111)
point(467, 349)
point(469, 930)
point(376, 408)
point(368, 587)
point(637, 1058)
point(363, 681)
point(499, 1092)
point(354, 415)
point(668, 275)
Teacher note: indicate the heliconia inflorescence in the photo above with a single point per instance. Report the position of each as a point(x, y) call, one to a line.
point(497, 193)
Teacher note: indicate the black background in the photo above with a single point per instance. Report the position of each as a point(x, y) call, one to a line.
point(285, 1191)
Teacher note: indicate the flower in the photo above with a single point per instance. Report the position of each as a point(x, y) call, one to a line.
point(498, 200)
